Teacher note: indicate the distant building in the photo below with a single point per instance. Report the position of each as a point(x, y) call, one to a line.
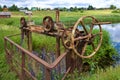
point(34, 8)
point(21, 9)
point(5, 14)
point(28, 12)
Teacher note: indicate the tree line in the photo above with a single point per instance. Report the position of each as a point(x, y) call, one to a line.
point(90, 7)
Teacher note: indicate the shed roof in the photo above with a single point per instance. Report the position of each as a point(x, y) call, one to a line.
point(5, 13)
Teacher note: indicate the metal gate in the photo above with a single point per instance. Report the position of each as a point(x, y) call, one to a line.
point(29, 66)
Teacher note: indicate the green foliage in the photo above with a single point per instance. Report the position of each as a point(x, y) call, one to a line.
point(75, 76)
point(42, 41)
point(63, 9)
point(90, 7)
point(110, 73)
point(10, 21)
point(75, 9)
point(13, 8)
point(26, 8)
point(103, 57)
point(112, 7)
point(4, 6)
point(116, 11)
point(5, 72)
point(0, 8)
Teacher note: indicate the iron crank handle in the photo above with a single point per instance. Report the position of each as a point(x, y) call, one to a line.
point(101, 23)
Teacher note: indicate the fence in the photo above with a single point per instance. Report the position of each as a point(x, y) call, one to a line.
point(31, 66)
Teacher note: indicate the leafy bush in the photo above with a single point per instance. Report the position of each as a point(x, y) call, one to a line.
point(103, 57)
point(116, 11)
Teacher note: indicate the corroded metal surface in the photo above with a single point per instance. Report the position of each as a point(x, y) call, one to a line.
point(88, 37)
point(74, 40)
point(32, 56)
point(48, 23)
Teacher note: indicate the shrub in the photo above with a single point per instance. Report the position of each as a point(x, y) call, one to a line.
point(103, 57)
point(116, 11)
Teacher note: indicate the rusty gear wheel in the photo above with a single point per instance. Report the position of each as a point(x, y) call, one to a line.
point(48, 23)
point(66, 38)
point(90, 38)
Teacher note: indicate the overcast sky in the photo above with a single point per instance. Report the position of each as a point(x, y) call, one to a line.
point(60, 3)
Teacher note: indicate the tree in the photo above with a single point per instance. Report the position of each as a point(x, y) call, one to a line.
point(71, 8)
point(63, 9)
point(4, 6)
point(112, 7)
point(90, 7)
point(39, 9)
point(26, 8)
point(75, 9)
point(0, 8)
point(13, 8)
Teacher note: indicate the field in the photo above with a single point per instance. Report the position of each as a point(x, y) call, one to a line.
point(68, 18)
point(11, 26)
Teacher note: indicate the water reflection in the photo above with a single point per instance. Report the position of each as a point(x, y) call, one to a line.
point(114, 31)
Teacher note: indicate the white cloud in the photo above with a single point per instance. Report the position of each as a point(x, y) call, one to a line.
point(60, 3)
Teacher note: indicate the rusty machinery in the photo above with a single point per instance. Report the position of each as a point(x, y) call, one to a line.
point(74, 39)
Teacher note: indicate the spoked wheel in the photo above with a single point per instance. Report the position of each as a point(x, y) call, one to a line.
point(48, 23)
point(66, 38)
point(90, 41)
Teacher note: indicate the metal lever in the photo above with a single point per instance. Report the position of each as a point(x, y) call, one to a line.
point(101, 23)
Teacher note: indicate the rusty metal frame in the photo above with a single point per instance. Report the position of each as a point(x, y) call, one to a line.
point(76, 63)
point(26, 52)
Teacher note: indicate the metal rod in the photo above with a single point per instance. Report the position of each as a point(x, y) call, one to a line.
point(50, 66)
point(29, 74)
point(29, 36)
point(47, 72)
point(57, 16)
point(23, 66)
point(68, 70)
point(101, 23)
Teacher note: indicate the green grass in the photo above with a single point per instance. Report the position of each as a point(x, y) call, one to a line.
point(107, 74)
point(68, 18)
point(5, 72)
point(110, 73)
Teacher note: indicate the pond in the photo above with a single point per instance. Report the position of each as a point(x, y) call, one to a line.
point(114, 31)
